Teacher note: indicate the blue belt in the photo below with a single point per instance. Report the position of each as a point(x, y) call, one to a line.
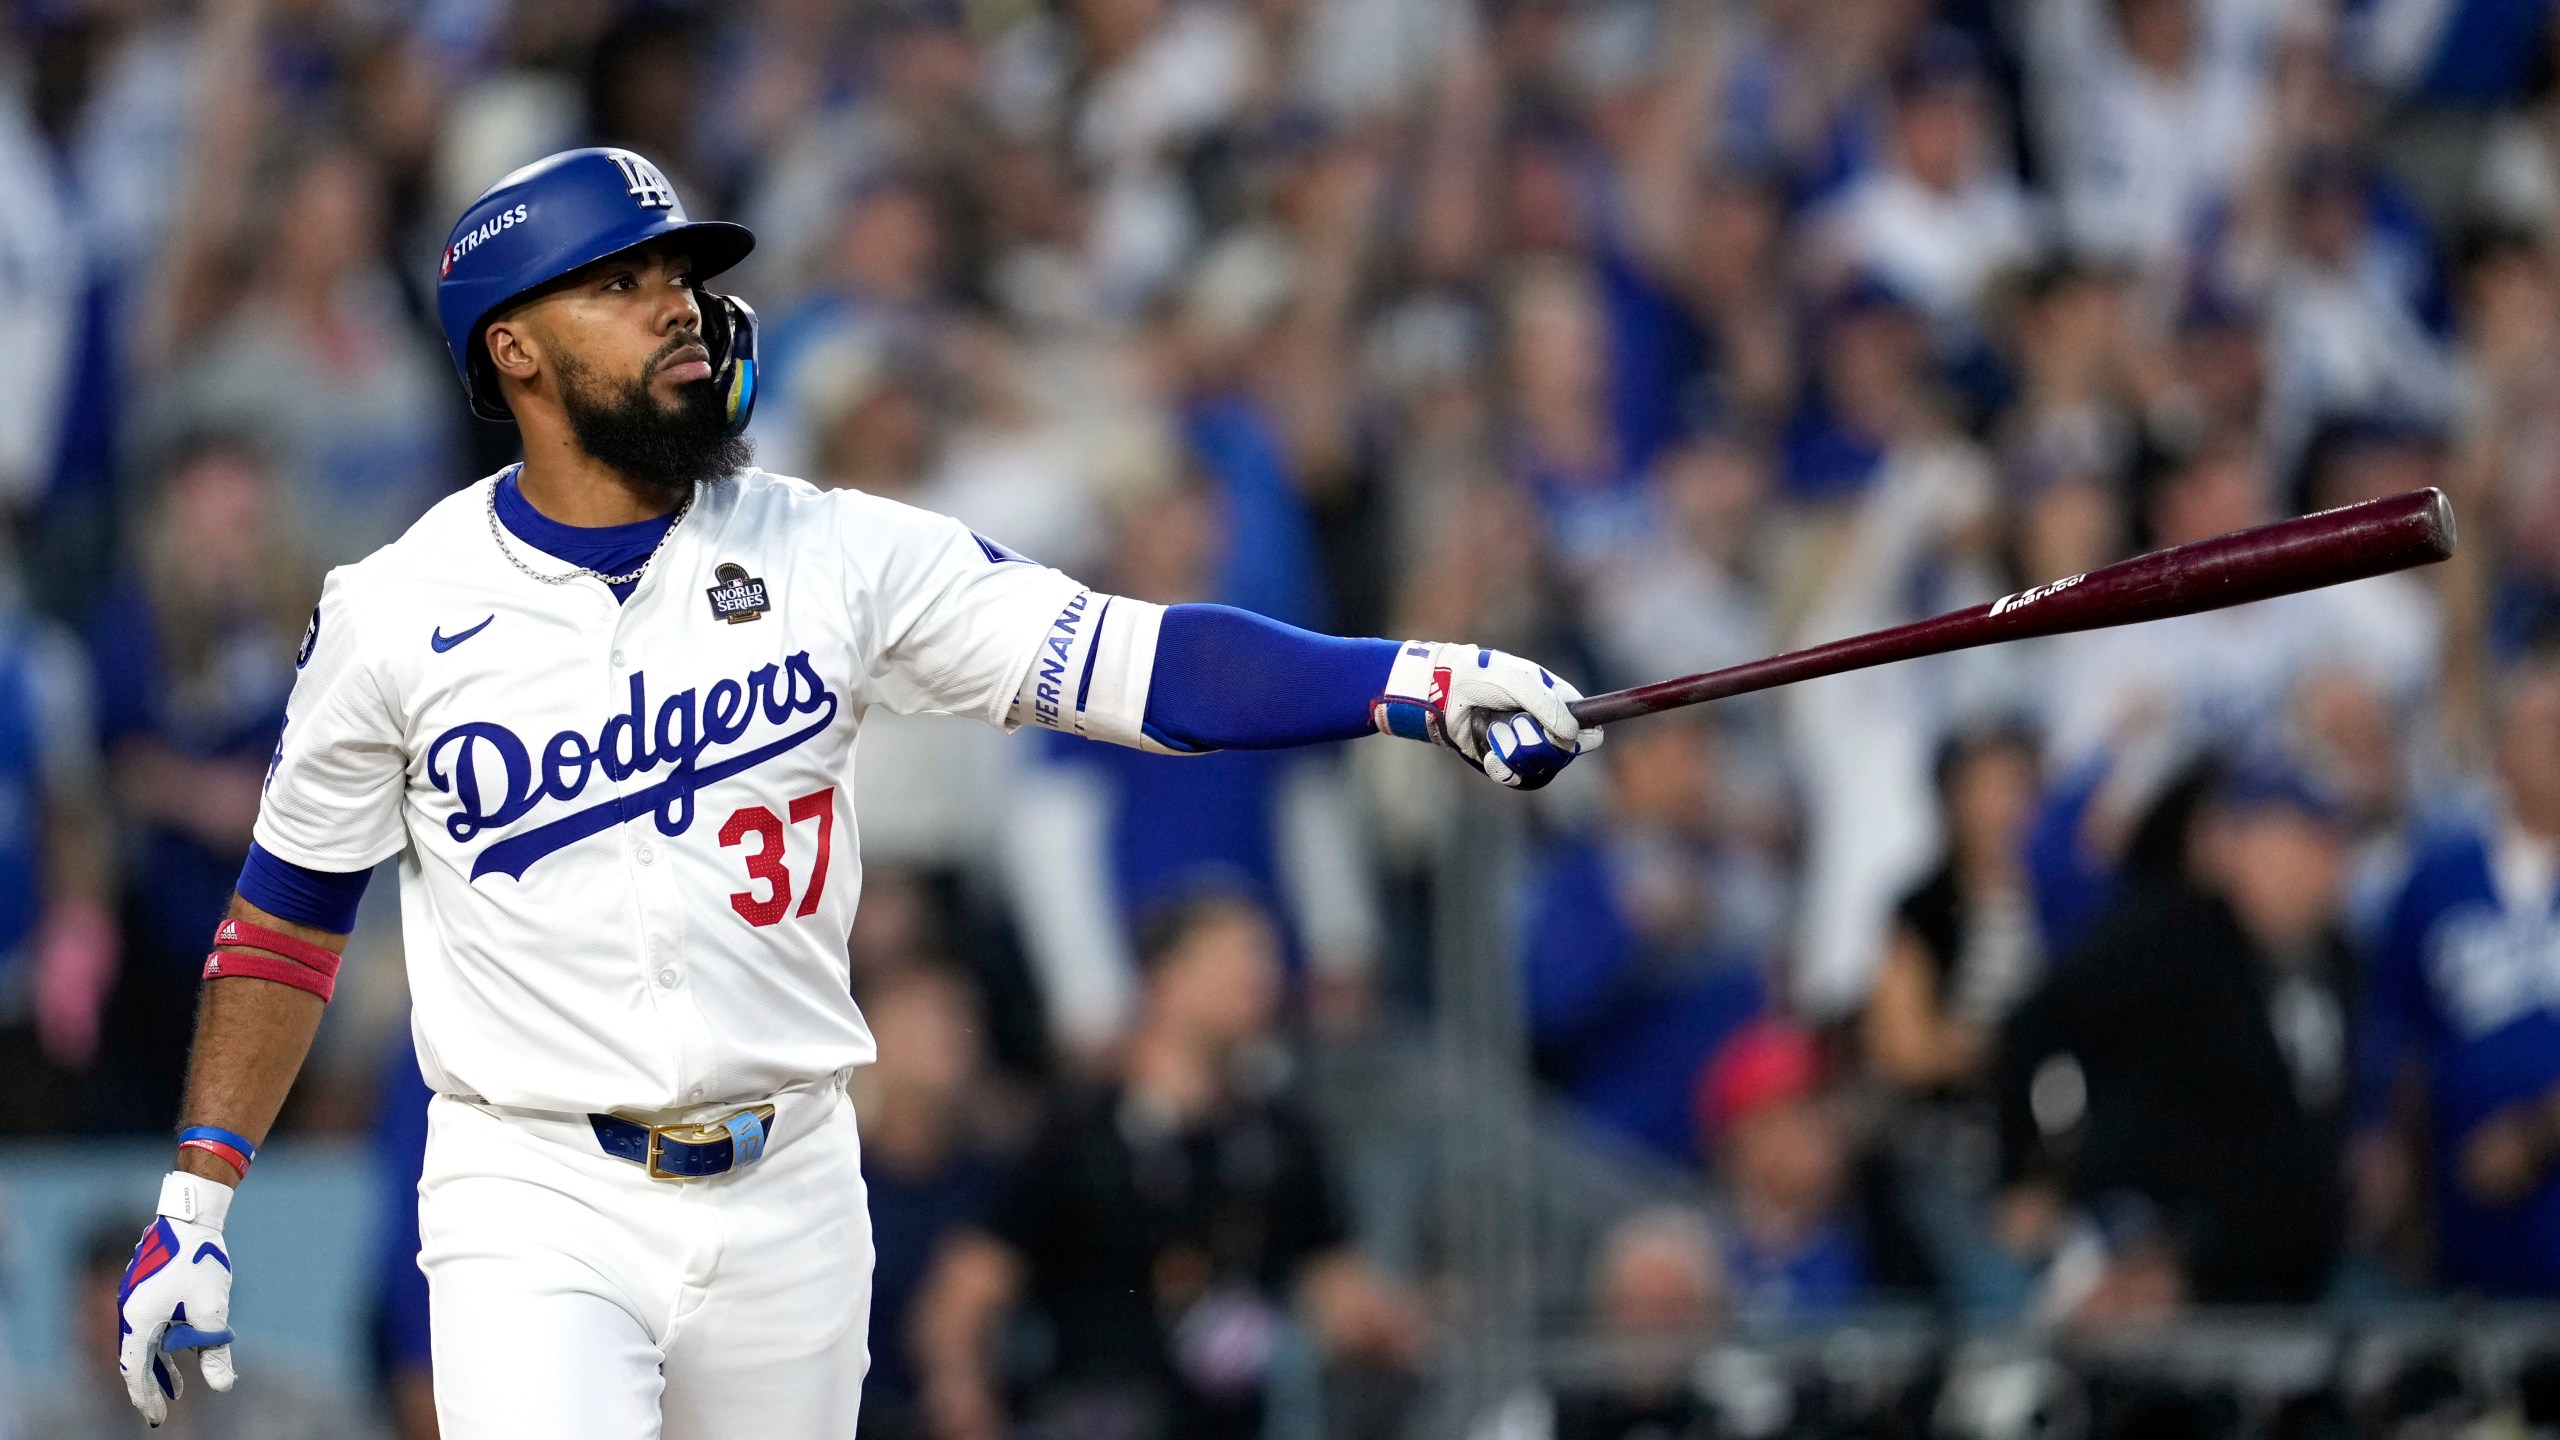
point(687, 1152)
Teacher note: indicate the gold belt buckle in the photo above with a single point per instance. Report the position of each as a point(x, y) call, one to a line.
point(704, 1134)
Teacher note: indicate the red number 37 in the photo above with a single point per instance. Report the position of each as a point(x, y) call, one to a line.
point(765, 863)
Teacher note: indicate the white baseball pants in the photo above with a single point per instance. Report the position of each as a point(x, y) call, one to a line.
point(575, 1298)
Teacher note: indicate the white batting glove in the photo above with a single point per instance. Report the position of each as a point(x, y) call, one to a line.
point(1506, 716)
point(176, 1296)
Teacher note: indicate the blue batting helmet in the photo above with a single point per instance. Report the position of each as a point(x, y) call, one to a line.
point(572, 209)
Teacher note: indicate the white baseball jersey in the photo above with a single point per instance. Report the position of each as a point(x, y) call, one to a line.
point(628, 860)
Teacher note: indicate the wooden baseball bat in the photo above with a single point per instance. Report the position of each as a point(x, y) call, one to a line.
point(2353, 542)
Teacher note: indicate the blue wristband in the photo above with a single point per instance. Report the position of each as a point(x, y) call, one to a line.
point(230, 1146)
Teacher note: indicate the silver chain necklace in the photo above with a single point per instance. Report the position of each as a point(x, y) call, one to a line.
point(498, 532)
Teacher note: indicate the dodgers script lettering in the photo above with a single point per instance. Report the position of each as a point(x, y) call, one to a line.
point(497, 780)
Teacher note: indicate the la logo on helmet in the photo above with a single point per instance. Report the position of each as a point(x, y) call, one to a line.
point(647, 186)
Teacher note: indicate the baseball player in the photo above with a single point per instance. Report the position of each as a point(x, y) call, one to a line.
point(602, 706)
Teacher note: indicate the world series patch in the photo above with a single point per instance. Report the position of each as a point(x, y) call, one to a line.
point(739, 597)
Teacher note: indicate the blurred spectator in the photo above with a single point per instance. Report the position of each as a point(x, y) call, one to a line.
point(2216, 380)
point(264, 1405)
point(1688, 595)
point(1868, 391)
point(1704, 326)
point(2184, 1078)
point(196, 646)
point(1916, 539)
point(2465, 53)
point(1772, 1131)
point(877, 282)
point(2081, 371)
point(1011, 458)
point(1109, 834)
point(929, 1174)
point(1964, 950)
point(1563, 445)
point(1657, 1291)
point(1939, 217)
point(306, 349)
point(2223, 677)
point(42, 268)
point(2508, 447)
point(1166, 1226)
point(58, 939)
point(2150, 112)
point(403, 1364)
point(2464, 1001)
point(870, 415)
point(1237, 420)
point(2341, 259)
point(1643, 942)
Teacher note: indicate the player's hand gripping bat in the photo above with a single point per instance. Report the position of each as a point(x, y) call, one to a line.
point(2353, 542)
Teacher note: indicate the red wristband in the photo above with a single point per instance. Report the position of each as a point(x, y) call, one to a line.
point(233, 965)
point(241, 932)
point(221, 1152)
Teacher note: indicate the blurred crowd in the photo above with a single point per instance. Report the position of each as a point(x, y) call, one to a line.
point(2078, 982)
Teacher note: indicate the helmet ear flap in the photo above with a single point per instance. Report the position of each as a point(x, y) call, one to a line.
point(729, 333)
point(480, 385)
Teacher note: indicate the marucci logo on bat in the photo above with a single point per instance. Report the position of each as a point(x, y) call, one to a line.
point(2025, 598)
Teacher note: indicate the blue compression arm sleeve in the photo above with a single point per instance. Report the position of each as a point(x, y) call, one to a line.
point(321, 899)
point(1228, 679)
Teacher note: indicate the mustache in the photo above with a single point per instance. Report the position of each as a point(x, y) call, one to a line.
point(665, 354)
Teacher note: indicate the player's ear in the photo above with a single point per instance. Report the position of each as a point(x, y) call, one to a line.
point(514, 351)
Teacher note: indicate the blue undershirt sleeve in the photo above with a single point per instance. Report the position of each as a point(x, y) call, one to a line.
point(322, 899)
point(1228, 679)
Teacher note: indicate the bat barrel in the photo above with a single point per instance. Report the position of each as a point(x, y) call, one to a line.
point(2333, 547)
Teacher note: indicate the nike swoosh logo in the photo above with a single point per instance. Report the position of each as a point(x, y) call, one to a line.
point(444, 642)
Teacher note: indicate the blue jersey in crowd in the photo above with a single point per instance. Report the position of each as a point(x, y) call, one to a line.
point(233, 713)
point(1815, 1283)
point(2471, 990)
point(1621, 1026)
point(21, 795)
point(399, 1152)
point(1183, 823)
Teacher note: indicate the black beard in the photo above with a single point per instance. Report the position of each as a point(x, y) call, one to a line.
point(664, 453)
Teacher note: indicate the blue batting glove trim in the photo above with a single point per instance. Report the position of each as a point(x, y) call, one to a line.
point(1526, 752)
point(1406, 719)
point(188, 1337)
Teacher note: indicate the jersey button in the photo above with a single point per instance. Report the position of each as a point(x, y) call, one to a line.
point(617, 657)
point(646, 855)
point(667, 978)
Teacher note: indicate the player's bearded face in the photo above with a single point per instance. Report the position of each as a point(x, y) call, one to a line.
point(663, 447)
